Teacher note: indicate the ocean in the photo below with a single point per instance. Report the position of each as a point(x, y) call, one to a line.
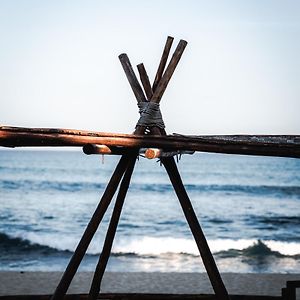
point(248, 207)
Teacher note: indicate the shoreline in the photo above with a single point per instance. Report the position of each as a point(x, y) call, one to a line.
point(39, 283)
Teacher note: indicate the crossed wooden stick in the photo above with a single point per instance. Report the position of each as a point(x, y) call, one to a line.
point(124, 171)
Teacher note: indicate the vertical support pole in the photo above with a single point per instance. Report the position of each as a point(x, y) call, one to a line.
point(208, 260)
point(103, 259)
point(90, 230)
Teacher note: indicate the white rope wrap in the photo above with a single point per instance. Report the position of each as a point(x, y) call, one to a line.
point(150, 115)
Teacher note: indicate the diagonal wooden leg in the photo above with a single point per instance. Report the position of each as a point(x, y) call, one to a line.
point(208, 260)
point(91, 229)
point(185, 202)
point(154, 95)
point(163, 62)
point(103, 259)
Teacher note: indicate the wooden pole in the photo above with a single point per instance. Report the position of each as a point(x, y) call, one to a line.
point(136, 88)
point(175, 178)
point(103, 259)
point(207, 258)
point(104, 150)
point(265, 145)
point(152, 153)
point(195, 227)
point(90, 230)
point(96, 149)
point(100, 269)
point(162, 85)
point(145, 81)
point(105, 201)
point(163, 62)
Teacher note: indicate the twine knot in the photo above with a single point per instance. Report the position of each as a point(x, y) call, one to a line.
point(150, 115)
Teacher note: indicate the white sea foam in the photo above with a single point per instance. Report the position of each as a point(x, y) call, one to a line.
point(148, 245)
point(284, 248)
point(161, 245)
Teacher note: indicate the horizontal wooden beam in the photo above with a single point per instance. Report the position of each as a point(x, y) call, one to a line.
point(267, 145)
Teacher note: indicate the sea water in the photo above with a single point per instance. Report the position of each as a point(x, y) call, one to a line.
point(248, 207)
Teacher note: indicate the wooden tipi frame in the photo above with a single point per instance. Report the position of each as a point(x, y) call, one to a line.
point(122, 176)
point(147, 135)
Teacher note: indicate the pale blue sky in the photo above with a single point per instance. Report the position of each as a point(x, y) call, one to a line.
point(240, 72)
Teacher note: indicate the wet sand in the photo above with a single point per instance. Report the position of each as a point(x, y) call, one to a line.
point(16, 283)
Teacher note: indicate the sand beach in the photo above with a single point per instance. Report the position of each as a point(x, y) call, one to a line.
point(30, 283)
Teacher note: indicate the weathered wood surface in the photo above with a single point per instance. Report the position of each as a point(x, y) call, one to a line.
point(207, 257)
point(162, 85)
point(189, 213)
point(170, 165)
point(91, 228)
point(163, 62)
point(267, 145)
point(136, 88)
point(152, 153)
point(145, 81)
point(112, 228)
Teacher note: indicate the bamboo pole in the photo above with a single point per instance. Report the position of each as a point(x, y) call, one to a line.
point(103, 259)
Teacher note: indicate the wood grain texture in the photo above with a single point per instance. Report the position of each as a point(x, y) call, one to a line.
point(266, 145)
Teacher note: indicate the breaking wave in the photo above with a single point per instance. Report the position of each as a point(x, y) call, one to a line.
point(155, 246)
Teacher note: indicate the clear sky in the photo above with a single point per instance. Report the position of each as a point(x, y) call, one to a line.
point(240, 72)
